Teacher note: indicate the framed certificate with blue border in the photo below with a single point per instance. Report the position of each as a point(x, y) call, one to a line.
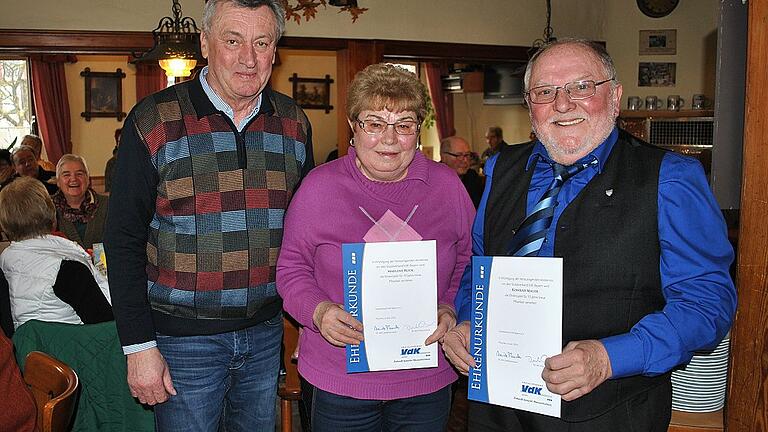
point(391, 287)
point(516, 324)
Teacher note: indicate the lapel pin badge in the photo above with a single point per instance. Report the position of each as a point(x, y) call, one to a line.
point(609, 192)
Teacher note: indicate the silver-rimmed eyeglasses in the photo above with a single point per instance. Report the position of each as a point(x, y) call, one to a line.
point(576, 90)
point(376, 127)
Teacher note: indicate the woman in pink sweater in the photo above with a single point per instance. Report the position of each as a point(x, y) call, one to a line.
point(382, 190)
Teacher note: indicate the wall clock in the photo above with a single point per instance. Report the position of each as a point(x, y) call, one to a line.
point(657, 8)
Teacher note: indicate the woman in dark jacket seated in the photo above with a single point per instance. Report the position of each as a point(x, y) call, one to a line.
point(81, 212)
point(50, 278)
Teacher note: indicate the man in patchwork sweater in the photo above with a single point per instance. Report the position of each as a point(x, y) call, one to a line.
point(205, 171)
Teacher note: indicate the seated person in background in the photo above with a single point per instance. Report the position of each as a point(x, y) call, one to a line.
point(25, 164)
point(80, 211)
point(494, 137)
point(36, 143)
point(6, 165)
point(49, 278)
point(455, 152)
point(109, 168)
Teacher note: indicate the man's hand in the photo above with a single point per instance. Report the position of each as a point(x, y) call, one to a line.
point(148, 377)
point(446, 320)
point(455, 347)
point(582, 366)
point(336, 325)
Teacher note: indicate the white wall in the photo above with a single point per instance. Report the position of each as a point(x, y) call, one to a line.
point(311, 64)
point(94, 139)
point(696, 24)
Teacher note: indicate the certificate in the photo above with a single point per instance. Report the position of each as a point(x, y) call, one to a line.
point(392, 289)
point(516, 325)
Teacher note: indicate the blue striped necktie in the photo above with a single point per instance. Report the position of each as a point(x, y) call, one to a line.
point(530, 236)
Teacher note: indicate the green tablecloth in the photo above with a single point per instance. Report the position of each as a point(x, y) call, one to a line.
point(94, 352)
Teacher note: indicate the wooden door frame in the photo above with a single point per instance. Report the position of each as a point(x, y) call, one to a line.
point(747, 405)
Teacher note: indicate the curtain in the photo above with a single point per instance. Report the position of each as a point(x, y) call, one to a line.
point(49, 88)
point(150, 78)
point(442, 101)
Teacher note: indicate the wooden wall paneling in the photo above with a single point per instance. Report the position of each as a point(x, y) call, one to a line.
point(73, 42)
point(747, 407)
point(458, 53)
point(350, 61)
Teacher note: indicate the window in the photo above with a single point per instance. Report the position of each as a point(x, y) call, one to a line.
point(15, 101)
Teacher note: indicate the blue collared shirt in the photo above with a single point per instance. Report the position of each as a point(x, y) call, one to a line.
point(224, 107)
point(695, 257)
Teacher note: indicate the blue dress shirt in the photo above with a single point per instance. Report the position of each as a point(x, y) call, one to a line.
point(695, 257)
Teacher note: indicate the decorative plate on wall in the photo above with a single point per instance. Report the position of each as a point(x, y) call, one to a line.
point(657, 8)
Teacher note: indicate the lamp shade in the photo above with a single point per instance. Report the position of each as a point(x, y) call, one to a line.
point(177, 45)
point(177, 67)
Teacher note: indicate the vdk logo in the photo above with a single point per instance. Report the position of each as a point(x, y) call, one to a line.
point(409, 351)
point(531, 389)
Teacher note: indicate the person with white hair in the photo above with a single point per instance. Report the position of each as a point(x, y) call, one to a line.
point(81, 212)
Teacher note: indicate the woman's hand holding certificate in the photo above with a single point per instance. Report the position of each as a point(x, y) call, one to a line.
point(391, 287)
point(336, 325)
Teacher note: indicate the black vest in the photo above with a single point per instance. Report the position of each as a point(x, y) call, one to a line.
point(608, 237)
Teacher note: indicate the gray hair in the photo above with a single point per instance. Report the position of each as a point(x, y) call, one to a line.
point(595, 48)
point(69, 157)
point(496, 131)
point(23, 148)
point(446, 144)
point(276, 6)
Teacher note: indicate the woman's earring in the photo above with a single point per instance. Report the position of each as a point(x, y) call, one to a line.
point(352, 142)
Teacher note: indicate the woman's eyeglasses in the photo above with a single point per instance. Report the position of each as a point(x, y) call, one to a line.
point(376, 127)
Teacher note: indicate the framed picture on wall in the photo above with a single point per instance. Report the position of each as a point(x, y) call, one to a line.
point(103, 94)
point(650, 74)
point(312, 93)
point(658, 42)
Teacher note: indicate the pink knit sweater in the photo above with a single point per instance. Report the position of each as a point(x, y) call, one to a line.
point(326, 212)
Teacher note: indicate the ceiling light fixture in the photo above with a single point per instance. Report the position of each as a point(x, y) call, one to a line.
point(547, 36)
point(176, 44)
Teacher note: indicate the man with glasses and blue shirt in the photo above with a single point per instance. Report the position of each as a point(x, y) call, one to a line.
point(205, 172)
point(645, 251)
point(456, 153)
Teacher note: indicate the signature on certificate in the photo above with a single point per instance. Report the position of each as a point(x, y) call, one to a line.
point(508, 356)
point(386, 328)
point(537, 360)
point(420, 326)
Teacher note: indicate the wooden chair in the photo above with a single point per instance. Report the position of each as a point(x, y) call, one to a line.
point(290, 390)
point(54, 387)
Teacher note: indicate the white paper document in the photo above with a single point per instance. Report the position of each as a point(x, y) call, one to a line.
point(391, 288)
point(516, 324)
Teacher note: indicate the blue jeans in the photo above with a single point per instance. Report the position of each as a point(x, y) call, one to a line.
point(334, 413)
point(225, 381)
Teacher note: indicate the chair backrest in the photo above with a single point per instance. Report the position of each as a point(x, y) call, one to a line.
point(54, 387)
point(292, 388)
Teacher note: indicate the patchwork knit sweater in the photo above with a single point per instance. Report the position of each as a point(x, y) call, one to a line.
point(196, 213)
